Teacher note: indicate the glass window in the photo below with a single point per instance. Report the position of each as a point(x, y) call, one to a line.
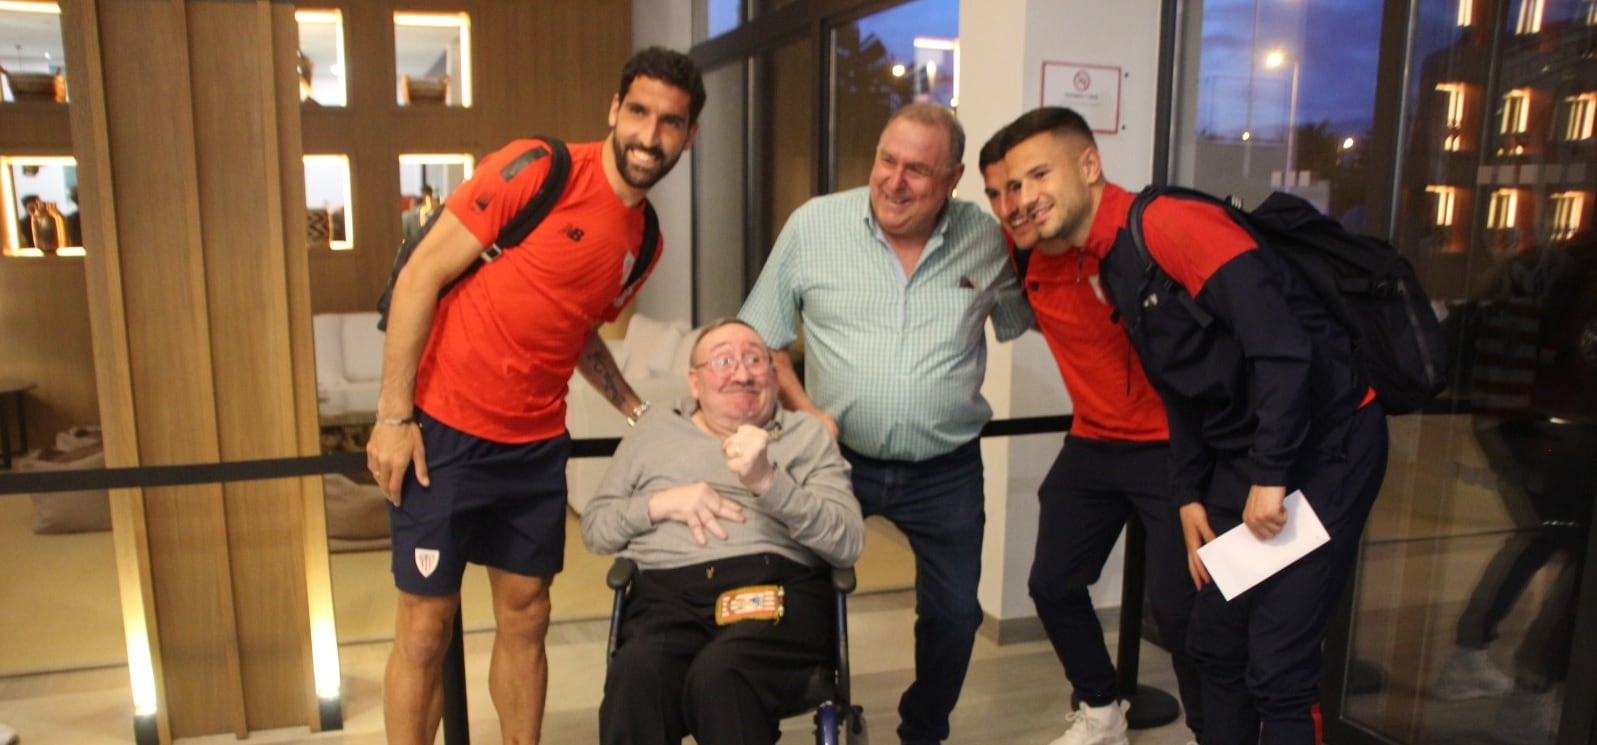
point(425, 181)
point(321, 57)
point(1569, 210)
point(1530, 17)
point(720, 203)
point(711, 18)
point(30, 51)
point(1466, 13)
point(1581, 114)
point(1516, 112)
point(1456, 106)
point(1273, 104)
point(881, 62)
point(432, 55)
point(327, 203)
point(41, 206)
point(1446, 203)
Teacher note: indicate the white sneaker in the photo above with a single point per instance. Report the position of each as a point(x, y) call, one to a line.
point(1527, 718)
point(1469, 673)
point(1096, 725)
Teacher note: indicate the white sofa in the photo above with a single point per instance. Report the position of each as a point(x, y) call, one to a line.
point(653, 356)
point(349, 363)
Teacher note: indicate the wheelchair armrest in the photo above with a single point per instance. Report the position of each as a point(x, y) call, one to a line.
point(621, 573)
point(843, 579)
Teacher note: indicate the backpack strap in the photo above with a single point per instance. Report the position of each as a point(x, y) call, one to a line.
point(1139, 243)
point(542, 202)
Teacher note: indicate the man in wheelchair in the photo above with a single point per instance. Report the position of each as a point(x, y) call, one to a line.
point(734, 511)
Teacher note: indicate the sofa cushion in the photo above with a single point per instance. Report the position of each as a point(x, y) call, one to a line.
point(362, 347)
point(357, 514)
point(683, 357)
point(69, 511)
point(651, 345)
point(328, 331)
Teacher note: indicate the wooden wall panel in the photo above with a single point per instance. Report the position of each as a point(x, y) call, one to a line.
point(35, 129)
point(240, 177)
point(153, 174)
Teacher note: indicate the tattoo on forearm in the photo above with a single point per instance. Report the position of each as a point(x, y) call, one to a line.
point(607, 378)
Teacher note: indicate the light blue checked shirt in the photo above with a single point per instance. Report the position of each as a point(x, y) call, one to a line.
point(898, 361)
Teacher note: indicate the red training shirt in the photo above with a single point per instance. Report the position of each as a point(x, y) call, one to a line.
point(505, 341)
point(1111, 396)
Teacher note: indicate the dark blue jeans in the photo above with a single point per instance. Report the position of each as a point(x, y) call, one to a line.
point(938, 504)
point(1092, 489)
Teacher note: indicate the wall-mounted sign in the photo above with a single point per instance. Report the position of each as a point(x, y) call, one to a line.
point(1092, 90)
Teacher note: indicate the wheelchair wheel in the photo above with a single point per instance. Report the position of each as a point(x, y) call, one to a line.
point(855, 732)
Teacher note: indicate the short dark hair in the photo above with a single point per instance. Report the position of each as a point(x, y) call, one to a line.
point(993, 151)
point(29, 199)
point(670, 67)
point(1056, 119)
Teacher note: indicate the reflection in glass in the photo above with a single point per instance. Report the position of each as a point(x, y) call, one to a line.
point(327, 199)
point(425, 182)
point(1486, 515)
point(31, 54)
point(40, 195)
point(432, 56)
point(880, 63)
point(321, 57)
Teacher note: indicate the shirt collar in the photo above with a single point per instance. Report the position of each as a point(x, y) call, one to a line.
point(1112, 208)
point(876, 230)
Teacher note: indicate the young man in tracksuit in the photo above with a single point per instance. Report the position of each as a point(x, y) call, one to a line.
point(1263, 398)
point(1114, 461)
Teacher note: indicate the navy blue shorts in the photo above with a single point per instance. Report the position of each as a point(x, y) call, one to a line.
point(501, 505)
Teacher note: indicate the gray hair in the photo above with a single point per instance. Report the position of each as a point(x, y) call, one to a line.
point(936, 115)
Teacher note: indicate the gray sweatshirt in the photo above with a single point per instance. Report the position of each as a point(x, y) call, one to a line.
point(809, 514)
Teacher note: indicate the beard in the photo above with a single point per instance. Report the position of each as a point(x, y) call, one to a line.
point(638, 177)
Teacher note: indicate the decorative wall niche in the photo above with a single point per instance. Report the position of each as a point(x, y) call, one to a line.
point(432, 57)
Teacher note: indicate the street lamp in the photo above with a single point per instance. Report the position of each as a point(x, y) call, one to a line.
point(1274, 60)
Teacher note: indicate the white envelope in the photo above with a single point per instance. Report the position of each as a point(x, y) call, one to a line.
point(1237, 560)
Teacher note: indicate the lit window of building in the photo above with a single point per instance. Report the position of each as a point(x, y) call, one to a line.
point(1530, 17)
point(1591, 13)
point(1466, 12)
point(1453, 140)
point(1516, 111)
point(1446, 196)
point(1568, 207)
point(1504, 209)
point(1582, 111)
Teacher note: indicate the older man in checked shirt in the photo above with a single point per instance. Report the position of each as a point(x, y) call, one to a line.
point(895, 282)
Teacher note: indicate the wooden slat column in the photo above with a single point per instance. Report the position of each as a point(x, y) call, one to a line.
point(187, 130)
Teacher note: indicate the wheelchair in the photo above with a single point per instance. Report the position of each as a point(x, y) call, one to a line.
point(837, 720)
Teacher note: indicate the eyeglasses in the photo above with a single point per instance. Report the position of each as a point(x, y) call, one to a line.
point(726, 363)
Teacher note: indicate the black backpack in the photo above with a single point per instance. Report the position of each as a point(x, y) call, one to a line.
point(1363, 281)
point(523, 223)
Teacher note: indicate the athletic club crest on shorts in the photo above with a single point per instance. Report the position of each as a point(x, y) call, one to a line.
point(426, 561)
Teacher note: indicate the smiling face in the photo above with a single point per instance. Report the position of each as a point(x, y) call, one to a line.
point(738, 393)
point(649, 130)
point(1003, 194)
point(912, 178)
point(1056, 174)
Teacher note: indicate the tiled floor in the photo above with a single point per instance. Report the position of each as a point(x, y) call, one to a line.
point(1015, 693)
